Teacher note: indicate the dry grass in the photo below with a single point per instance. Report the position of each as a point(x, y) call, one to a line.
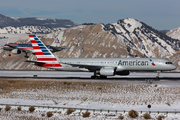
point(121, 117)
point(86, 114)
point(19, 108)
point(42, 114)
point(7, 108)
point(69, 111)
point(133, 113)
point(161, 117)
point(31, 109)
point(147, 116)
point(49, 114)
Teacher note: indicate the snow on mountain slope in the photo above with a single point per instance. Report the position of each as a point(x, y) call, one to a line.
point(175, 33)
point(138, 36)
point(28, 30)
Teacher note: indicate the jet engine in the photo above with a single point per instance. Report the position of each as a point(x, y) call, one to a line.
point(16, 51)
point(107, 71)
point(123, 73)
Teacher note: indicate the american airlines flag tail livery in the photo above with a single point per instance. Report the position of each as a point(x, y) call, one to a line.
point(100, 66)
point(57, 41)
point(44, 56)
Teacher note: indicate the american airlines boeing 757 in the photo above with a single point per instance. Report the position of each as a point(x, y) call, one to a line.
point(100, 66)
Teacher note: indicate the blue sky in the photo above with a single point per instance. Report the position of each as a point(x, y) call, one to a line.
point(159, 14)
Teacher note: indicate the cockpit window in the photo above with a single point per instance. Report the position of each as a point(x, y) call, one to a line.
point(168, 62)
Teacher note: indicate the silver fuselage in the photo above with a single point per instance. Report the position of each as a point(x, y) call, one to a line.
point(121, 64)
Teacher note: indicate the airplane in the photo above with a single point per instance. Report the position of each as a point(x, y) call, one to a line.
point(100, 66)
point(16, 48)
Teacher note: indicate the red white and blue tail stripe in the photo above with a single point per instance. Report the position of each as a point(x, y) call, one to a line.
point(43, 54)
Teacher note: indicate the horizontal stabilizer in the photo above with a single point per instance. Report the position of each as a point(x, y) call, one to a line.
point(55, 49)
point(36, 62)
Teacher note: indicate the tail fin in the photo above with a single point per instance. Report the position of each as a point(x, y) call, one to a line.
point(57, 41)
point(43, 54)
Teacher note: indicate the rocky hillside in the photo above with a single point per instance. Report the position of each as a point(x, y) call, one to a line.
point(126, 38)
point(174, 33)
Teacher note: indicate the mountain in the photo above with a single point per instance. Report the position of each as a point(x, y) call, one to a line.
point(6, 21)
point(175, 33)
point(12, 25)
point(125, 38)
point(143, 38)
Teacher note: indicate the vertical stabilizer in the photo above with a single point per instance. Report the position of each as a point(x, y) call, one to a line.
point(43, 54)
point(57, 41)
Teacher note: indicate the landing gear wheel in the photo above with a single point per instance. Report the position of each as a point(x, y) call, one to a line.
point(149, 81)
point(9, 53)
point(158, 73)
point(26, 55)
point(103, 77)
point(94, 77)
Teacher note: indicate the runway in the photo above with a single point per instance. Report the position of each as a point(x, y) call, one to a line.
point(82, 75)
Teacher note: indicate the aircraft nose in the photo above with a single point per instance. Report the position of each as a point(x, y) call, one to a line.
point(173, 67)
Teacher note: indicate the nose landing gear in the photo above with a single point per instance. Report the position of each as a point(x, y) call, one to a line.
point(149, 81)
point(158, 73)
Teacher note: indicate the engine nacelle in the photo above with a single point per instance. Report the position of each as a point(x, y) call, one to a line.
point(16, 51)
point(122, 73)
point(107, 72)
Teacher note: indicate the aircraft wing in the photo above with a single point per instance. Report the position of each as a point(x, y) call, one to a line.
point(90, 67)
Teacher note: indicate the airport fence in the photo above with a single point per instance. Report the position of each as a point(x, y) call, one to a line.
point(92, 110)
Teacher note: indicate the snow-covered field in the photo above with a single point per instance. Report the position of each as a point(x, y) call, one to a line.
point(121, 96)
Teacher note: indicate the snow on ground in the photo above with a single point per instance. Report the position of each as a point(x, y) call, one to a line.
point(125, 95)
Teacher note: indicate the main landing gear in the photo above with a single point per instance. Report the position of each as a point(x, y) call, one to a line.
point(9, 53)
point(26, 56)
point(98, 77)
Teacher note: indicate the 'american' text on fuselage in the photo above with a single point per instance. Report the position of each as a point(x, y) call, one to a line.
point(133, 63)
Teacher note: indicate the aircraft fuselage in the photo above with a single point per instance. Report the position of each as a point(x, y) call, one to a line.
point(121, 64)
